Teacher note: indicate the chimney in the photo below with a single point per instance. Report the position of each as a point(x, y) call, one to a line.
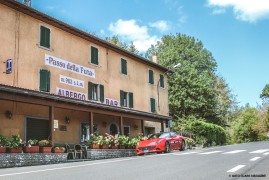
point(154, 59)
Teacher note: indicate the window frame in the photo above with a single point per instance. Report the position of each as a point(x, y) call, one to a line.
point(92, 62)
point(100, 92)
point(162, 82)
point(151, 110)
point(152, 83)
point(39, 39)
point(129, 99)
point(48, 81)
point(122, 68)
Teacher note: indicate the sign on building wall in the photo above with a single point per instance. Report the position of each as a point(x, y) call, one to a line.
point(71, 81)
point(71, 94)
point(112, 102)
point(69, 66)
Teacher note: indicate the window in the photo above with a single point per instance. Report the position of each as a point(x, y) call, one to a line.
point(123, 66)
point(44, 36)
point(126, 99)
point(126, 130)
point(44, 80)
point(161, 81)
point(96, 92)
point(85, 131)
point(152, 105)
point(94, 55)
point(151, 77)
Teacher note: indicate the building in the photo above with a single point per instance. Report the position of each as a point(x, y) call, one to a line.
point(61, 83)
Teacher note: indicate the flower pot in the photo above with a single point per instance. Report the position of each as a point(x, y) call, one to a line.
point(3, 149)
point(122, 147)
point(15, 150)
point(114, 147)
point(32, 149)
point(104, 147)
point(94, 146)
point(45, 149)
point(57, 151)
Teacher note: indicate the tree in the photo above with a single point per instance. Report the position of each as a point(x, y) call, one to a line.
point(265, 93)
point(194, 89)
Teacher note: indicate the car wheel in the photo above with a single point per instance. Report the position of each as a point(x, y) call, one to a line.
point(167, 147)
point(182, 146)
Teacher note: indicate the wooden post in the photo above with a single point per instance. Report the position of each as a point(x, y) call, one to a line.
point(121, 125)
point(51, 124)
point(142, 127)
point(91, 122)
point(162, 126)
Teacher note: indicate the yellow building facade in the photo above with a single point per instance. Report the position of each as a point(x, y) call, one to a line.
point(61, 83)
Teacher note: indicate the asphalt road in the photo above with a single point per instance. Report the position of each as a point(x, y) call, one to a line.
point(242, 161)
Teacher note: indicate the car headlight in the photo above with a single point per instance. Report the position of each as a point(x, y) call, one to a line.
point(159, 142)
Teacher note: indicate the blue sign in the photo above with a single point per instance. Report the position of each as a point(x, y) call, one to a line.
point(9, 66)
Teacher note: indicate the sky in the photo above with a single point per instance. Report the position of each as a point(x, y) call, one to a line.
point(234, 31)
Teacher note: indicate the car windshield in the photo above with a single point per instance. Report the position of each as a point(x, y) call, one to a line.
point(159, 135)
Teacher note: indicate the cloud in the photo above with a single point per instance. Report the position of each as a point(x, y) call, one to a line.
point(245, 10)
point(219, 11)
point(161, 25)
point(130, 30)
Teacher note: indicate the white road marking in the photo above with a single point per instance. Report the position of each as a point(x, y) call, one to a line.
point(178, 154)
point(255, 158)
point(236, 168)
point(266, 153)
point(259, 151)
point(212, 152)
point(234, 152)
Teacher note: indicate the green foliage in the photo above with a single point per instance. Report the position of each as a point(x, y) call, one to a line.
point(44, 143)
point(251, 124)
point(32, 142)
point(4, 141)
point(15, 141)
point(207, 133)
point(265, 93)
point(123, 140)
point(194, 88)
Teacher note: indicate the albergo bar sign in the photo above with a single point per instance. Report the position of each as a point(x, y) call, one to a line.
point(69, 66)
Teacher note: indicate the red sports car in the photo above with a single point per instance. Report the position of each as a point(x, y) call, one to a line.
point(161, 142)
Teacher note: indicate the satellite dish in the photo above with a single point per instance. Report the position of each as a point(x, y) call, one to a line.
point(27, 2)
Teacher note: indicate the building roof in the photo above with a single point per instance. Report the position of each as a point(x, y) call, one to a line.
point(66, 27)
point(90, 104)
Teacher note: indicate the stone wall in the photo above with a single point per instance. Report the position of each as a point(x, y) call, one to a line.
point(95, 154)
point(30, 159)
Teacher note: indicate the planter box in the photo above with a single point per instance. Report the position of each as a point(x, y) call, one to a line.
point(105, 147)
point(45, 149)
point(57, 151)
point(94, 146)
point(15, 150)
point(114, 147)
point(32, 149)
point(122, 147)
point(3, 149)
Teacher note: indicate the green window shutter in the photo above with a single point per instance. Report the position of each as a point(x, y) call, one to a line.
point(131, 100)
point(44, 37)
point(151, 77)
point(121, 98)
point(161, 81)
point(123, 66)
point(102, 98)
point(44, 80)
point(90, 90)
point(94, 55)
point(152, 105)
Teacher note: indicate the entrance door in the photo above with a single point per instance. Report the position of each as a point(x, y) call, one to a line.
point(113, 129)
point(37, 129)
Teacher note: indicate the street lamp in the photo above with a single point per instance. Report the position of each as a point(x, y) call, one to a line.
point(158, 93)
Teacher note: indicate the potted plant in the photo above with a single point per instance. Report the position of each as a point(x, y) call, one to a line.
point(44, 146)
point(93, 142)
point(102, 142)
point(3, 144)
point(112, 141)
point(32, 146)
point(58, 150)
point(123, 141)
point(15, 144)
